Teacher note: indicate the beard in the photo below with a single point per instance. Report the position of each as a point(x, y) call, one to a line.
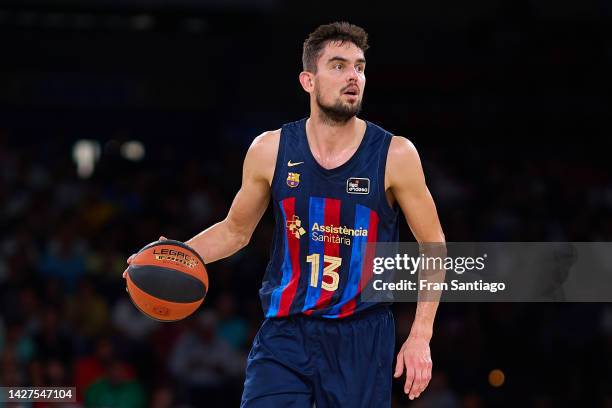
point(338, 113)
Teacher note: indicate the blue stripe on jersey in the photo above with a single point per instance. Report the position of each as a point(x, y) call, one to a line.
point(362, 220)
point(286, 269)
point(316, 214)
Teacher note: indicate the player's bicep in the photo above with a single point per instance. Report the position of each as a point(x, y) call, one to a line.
point(407, 183)
point(249, 205)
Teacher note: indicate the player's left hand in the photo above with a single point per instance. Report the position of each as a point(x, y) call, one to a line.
point(415, 357)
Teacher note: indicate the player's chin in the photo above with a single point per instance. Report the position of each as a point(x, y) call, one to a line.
point(351, 103)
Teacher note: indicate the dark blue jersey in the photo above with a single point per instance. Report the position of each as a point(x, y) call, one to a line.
point(324, 218)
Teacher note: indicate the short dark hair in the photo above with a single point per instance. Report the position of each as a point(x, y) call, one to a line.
point(340, 31)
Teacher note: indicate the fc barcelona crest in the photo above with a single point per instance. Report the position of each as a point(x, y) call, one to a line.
point(293, 179)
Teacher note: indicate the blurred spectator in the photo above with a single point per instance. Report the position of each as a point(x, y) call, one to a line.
point(53, 293)
point(231, 327)
point(200, 206)
point(17, 256)
point(20, 342)
point(87, 311)
point(53, 339)
point(117, 388)
point(162, 397)
point(57, 374)
point(204, 363)
point(64, 258)
point(11, 371)
point(106, 262)
point(36, 373)
point(90, 367)
point(130, 321)
point(30, 309)
point(96, 210)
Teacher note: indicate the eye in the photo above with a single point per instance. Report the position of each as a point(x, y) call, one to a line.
point(360, 68)
point(338, 67)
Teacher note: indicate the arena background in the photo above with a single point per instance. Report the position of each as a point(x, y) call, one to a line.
point(508, 102)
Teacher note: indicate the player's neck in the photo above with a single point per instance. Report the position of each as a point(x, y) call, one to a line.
point(328, 139)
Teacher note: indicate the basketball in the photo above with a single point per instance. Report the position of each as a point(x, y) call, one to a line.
point(167, 280)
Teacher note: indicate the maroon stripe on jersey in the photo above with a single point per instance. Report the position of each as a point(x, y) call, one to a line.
point(332, 218)
point(366, 270)
point(293, 243)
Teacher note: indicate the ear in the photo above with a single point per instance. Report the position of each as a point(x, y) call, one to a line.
point(307, 81)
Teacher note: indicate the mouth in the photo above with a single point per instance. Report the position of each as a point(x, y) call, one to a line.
point(351, 91)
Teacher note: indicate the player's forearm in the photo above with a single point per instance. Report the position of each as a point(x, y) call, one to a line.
point(429, 299)
point(422, 326)
point(219, 241)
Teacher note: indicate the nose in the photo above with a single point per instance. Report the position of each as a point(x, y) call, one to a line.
point(352, 75)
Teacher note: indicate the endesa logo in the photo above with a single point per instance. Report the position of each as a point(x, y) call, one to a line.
point(356, 185)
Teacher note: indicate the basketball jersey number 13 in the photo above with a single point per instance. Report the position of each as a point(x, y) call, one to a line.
point(324, 218)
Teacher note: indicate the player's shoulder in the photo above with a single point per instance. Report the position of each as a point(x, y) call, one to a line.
point(261, 156)
point(269, 137)
point(401, 148)
point(402, 161)
point(266, 144)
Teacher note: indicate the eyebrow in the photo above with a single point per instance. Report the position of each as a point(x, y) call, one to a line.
point(342, 59)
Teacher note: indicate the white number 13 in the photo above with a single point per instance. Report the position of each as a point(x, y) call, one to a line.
point(329, 270)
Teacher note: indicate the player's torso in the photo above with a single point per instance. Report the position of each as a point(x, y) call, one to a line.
point(324, 218)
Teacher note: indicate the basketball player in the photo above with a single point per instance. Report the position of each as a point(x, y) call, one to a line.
point(336, 182)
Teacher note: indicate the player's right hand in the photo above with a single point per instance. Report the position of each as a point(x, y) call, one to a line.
point(129, 260)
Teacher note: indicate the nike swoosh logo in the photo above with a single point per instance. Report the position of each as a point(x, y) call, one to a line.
point(293, 164)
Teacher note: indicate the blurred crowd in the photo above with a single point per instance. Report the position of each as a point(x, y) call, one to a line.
point(66, 319)
point(507, 102)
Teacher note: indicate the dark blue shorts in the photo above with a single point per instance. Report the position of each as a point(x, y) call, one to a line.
point(300, 361)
